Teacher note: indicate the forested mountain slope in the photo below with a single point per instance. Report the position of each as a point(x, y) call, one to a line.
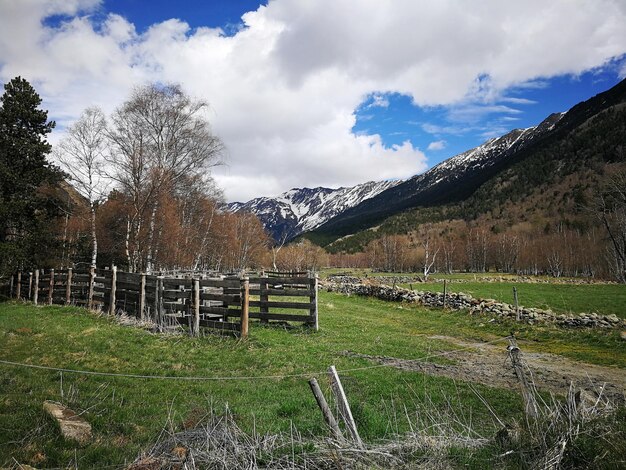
point(589, 136)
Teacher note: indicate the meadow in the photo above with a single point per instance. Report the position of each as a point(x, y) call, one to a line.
point(563, 295)
point(262, 381)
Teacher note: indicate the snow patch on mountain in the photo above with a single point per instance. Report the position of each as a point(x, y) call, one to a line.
point(486, 154)
point(302, 209)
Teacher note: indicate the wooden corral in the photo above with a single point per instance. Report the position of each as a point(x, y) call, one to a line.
point(225, 303)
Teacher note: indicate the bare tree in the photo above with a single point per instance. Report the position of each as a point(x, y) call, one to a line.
point(449, 252)
point(431, 250)
point(277, 246)
point(81, 154)
point(507, 248)
point(160, 136)
point(476, 250)
point(610, 208)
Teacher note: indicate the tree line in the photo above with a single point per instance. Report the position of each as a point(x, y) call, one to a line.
point(597, 251)
point(133, 188)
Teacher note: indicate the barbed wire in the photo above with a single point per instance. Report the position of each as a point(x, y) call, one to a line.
point(236, 377)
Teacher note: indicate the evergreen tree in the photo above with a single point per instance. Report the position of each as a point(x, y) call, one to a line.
point(27, 209)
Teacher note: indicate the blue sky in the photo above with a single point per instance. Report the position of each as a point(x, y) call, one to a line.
point(322, 93)
point(224, 14)
point(442, 131)
point(450, 130)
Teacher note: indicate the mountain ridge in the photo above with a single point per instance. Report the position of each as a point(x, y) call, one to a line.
point(303, 209)
point(457, 178)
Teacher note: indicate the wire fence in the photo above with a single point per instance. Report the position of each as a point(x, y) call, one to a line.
point(241, 377)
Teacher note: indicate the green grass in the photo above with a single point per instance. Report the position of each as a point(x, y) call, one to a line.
point(605, 299)
point(127, 414)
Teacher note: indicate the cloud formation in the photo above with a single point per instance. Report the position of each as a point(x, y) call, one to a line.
point(437, 145)
point(285, 87)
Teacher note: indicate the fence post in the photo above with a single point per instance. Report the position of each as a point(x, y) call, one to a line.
point(313, 288)
point(51, 287)
point(18, 287)
point(92, 275)
point(36, 290)
point(30, 285)
point(344, 406)
point(528, 392)
point(113, 290)
point(517, 315)
point(445, 293)
point(196, 307)
point(158, 301)
point(245, 304)
point(263, 297)
point(142, 297)
point(323, 405)
point(68, 287)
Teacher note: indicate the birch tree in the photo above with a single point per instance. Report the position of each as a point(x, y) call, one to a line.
point(81, 154)
point(160, 136)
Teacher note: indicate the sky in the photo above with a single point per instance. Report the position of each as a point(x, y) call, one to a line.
point(332, 93)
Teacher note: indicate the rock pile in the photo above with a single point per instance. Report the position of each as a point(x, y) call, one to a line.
point(461, 301)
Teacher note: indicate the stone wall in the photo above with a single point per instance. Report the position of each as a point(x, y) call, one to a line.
point(461, 301)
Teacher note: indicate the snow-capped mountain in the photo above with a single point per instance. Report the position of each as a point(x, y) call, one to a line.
point(302, 209)
point(485, 155)
point(451, 180)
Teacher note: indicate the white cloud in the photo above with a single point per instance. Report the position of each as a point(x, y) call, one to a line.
point(437, 145)
point(510, 99)
point(284, 89)
point(379, 101)
point(472, 113)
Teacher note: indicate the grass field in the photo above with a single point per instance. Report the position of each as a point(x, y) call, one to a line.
point(128, 414)
point(604, 299)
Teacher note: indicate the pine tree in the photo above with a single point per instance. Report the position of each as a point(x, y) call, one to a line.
point(26, 209)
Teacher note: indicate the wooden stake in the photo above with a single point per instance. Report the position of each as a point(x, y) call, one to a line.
point(344, 406)
point(245, 305)
point(51, 287)
point(263, 297)
point(530, 401)
point(323, 405)
point(159, 301)
point(36, 290)
point(196, 307)
point(112, 298)
point(68, 287)
point(142, 297)
point(517, 313)
point(30, 285)
point(18, 287)
point(313, 299)
point(445, 293)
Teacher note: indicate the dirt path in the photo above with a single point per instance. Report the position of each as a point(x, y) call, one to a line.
point(488, 364)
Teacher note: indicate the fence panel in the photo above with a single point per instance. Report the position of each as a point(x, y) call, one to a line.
point(218, 303)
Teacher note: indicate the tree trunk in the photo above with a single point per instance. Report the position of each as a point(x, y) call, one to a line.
point(94, 238)
point(151, 238)
point(127, 246)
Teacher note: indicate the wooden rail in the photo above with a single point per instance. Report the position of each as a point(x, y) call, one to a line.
point(217, 303)
point(284, 296)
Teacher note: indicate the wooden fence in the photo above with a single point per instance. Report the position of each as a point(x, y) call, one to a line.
point(272, 288)
point(217, 303)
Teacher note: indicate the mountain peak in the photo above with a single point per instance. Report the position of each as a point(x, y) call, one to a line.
point(302, 209)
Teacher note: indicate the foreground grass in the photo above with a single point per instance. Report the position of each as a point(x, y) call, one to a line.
point(127, 414)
